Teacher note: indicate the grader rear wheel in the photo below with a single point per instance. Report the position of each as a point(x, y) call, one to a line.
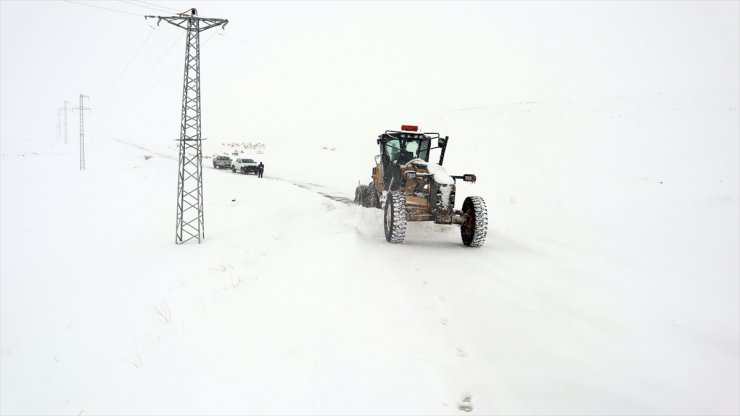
point(371, 198)
point(360, 195)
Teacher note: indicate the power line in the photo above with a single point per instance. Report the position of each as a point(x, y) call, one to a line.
point(152, 7)
point(134, 4)
point(101, 7)
point(157, 63)
point(129, 63)
point(165, 76)
point(169, 9)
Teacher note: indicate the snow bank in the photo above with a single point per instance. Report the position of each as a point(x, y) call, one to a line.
point(597, 284)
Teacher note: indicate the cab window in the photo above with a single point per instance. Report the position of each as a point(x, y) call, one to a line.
point(392, 149)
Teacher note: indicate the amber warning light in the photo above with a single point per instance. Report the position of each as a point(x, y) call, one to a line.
point(409, 128)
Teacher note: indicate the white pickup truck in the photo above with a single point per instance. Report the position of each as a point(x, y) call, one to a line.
point(244, 166)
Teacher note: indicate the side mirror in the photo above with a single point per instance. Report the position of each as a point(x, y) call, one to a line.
point(442, 141)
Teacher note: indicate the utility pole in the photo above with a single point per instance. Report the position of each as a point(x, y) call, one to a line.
point(59, 124)
point(82, 109)
point(66, 109)
point(189, 223)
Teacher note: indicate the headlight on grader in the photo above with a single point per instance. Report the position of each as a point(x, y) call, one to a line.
point(469, 178)
point(409, 175)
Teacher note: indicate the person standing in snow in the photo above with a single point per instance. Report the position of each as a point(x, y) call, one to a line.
point(260, 169)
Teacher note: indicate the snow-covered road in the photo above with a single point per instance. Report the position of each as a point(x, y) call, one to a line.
point(295, 303)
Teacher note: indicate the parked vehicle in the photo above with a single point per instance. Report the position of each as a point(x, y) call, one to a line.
point(244, 165)
point(221, 162)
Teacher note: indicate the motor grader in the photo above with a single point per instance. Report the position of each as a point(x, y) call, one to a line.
point(408, 187)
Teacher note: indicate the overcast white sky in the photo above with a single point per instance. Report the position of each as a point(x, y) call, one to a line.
point(348, 68)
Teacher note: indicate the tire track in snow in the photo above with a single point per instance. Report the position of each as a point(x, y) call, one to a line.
point(318, 189)
point(315, 188)
point(164, 155)
point(465, 403)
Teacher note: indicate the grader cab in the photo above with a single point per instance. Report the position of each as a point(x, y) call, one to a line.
point(410, 187)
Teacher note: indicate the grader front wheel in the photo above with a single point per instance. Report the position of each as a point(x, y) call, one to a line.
point(395, 218)
point(475, 227)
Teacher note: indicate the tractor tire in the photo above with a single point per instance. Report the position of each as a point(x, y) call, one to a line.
point(371, 198)
point(395, 218)
point(475, 227)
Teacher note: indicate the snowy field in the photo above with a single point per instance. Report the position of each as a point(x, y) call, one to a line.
point(608, 284)
point(605, 137)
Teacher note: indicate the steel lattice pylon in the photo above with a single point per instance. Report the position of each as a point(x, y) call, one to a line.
point(82, 109)
point(190, 224)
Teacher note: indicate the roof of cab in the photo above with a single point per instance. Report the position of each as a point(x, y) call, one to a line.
point(410, 135)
